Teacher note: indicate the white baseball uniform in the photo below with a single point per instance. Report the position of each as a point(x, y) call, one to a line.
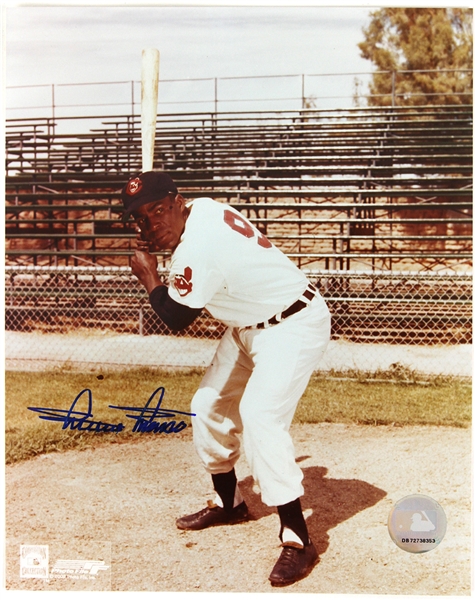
point(258, 375)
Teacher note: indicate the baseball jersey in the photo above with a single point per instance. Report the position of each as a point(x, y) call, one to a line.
point(224, 264)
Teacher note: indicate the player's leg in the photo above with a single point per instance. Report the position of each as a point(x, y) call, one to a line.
point(216, 406)
point(215, 432)
point(285, 357)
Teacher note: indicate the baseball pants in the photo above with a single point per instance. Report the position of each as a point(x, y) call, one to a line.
point(253, 386)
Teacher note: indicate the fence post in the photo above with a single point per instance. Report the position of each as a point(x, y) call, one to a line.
point(215, 95)
point(303, 90)
point(140, 321)
point(393, 87)
point(53, 111)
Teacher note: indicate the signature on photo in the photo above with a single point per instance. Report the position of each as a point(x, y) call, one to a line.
point(148, 418)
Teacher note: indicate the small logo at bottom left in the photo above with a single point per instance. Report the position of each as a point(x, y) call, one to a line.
point(34, 562)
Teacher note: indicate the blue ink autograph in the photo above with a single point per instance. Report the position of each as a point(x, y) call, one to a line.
point(144, 417)
point(149, 425)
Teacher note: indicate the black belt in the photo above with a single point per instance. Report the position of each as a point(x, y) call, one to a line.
point(297, 306)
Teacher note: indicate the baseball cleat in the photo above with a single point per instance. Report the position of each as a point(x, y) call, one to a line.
point(293, 564)
point(213, 515)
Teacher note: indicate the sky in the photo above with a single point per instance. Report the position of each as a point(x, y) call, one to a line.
point(63, 44)
point(47, 44)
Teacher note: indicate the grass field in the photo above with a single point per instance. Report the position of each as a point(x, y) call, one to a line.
point(384, 399)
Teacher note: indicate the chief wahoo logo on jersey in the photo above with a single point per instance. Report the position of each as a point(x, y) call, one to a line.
point(182, 283)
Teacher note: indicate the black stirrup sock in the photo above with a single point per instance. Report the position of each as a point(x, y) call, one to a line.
point(291, 516)
point(225, 486)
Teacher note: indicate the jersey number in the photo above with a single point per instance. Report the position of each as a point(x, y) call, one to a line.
point(237, 223)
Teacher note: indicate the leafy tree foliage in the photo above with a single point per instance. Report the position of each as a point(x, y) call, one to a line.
point(434, 44)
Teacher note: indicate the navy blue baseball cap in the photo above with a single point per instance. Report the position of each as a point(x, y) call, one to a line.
point(146, 187)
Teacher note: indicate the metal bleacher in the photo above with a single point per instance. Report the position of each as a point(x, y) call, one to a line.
point(375, 188)
point(343, 192)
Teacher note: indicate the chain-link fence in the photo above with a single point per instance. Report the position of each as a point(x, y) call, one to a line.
point(101, 318)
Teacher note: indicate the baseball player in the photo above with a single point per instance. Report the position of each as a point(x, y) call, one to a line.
point(278, 327)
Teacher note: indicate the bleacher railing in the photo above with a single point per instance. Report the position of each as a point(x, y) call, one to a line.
point(219, 94)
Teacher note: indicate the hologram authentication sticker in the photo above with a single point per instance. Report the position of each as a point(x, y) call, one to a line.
point(417, 523)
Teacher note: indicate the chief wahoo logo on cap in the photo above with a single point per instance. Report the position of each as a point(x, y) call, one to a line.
point(134, 186)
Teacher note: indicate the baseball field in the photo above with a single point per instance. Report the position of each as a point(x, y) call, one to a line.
point(363, 443)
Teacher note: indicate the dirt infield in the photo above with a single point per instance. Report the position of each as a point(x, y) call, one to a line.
point(118, 504)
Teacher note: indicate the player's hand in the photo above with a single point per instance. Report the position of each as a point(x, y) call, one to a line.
point(140, 243)
point(144, 267)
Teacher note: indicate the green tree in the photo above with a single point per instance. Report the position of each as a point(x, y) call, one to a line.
point(434, 44)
